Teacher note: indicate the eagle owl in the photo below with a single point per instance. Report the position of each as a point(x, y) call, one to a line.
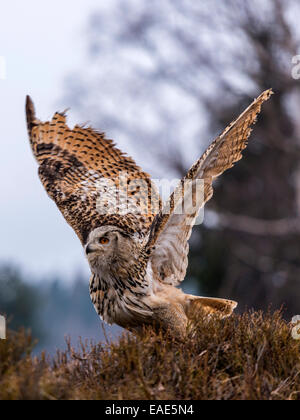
point(137, 258)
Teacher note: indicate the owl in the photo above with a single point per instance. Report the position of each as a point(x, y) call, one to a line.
point(136, 246)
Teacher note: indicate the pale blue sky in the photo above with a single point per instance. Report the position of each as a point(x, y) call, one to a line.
point(42, 42)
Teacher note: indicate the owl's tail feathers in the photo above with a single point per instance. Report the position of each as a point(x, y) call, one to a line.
point(210, 306)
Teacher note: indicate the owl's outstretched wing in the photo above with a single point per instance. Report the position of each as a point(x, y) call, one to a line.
point(172, 227)
point(92, 182)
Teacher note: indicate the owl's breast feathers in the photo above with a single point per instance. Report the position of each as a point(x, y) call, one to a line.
point(121, 297)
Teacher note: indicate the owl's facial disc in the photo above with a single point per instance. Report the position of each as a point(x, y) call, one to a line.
point(100, 240)
point(112, 249)
point(104, 244)
point(97, 246)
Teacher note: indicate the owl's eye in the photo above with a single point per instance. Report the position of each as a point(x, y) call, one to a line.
point(104, 241)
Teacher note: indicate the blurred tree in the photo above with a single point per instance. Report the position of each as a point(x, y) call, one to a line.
point(19, 301)
point(170, 75)
point(50, 309)
point(68, 311)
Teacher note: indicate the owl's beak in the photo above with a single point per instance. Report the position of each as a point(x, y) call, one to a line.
point(89, 249)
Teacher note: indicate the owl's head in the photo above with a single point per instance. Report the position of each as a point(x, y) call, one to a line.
point(110, 245)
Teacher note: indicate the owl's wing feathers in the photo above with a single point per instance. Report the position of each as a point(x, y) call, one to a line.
point(88, 177)
point(171, 228)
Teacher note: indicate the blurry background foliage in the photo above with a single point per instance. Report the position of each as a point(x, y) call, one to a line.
point(163, 79)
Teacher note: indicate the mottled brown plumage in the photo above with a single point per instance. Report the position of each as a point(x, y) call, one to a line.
point(137, 250)
point(72, 162)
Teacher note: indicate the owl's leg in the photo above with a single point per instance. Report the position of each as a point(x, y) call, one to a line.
point(172, 318)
